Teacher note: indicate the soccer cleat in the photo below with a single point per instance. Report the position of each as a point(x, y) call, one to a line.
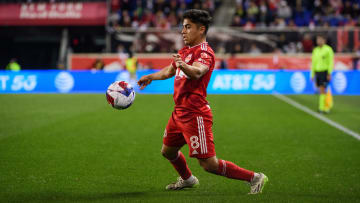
point(324, 112)
point(258, 183)
point(180, 184)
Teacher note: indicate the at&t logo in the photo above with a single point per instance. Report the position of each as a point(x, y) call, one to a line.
point(298, 82)
point(340, 82)
point(64, 82)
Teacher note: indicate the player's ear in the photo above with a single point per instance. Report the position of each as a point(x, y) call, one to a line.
point(202, 29)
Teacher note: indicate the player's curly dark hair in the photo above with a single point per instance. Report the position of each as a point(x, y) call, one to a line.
point(196, 16)
point(322, 36)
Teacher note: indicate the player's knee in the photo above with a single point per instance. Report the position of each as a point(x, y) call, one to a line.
point(209, 166)
point(322, 89)
point(164, 153)
point(168, 154)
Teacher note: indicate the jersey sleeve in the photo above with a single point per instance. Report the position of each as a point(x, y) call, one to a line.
point(313, 63)
point(331, 60)
point(204, 58)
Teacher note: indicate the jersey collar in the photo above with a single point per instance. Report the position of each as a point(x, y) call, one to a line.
point(197, 45)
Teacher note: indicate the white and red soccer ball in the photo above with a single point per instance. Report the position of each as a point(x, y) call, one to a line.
point(120, 95)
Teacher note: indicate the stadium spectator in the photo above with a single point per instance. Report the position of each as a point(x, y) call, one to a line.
point(98, 65)
point(279, 23)
point(307, 43)
point(237, 21)
point(13, 65)
point(172, 19)
point(356, 11)
point(292, 24)
point(263, 13)
point(348, 9)
point(131, 65)
point(281, 42)
point(317, 13)
point(147, 19)
point(237, 49)
point(161, 21)
point(223, 64)
point(239, 11)
point(284, 11)
point(252, 12)
point(122, 54)
point(249, 25)
point(125, 19)
point(248, 14)
point(155, 13)
point(254, 50)
point(260, 13)
point(291, 48)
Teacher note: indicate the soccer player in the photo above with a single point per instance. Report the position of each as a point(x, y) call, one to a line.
point(191, 120)
point(322, 65)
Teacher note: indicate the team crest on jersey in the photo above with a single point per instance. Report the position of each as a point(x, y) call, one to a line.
point(180, 74)
point(201, 60)
point(188, 58)
point(204, 55)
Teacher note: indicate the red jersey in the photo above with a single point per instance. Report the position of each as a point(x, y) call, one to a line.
point(190, 94)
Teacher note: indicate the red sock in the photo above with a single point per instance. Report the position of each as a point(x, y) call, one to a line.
point(181, 167)
point(230, 170)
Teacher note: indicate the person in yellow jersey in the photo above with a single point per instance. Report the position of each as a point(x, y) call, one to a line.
point(322, 63)
point(13, 65)
point(131, 66)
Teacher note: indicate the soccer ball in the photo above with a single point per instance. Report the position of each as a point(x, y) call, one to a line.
point(120, 95)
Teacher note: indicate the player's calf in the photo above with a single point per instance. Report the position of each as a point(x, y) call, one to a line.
point(177, 160)
point(230, 170)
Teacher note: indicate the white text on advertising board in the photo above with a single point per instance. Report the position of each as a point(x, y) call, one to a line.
point(244, 82)
point(19, 82)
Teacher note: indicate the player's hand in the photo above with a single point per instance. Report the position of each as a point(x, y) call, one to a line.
point(329, 77)
point(179, 63)
point(144, 81)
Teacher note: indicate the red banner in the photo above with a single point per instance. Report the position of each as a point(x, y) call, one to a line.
point(116, 62)
point(30, 14)
point(154, 61)
point(301, 62)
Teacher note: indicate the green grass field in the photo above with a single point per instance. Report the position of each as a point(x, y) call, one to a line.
point(76, 148)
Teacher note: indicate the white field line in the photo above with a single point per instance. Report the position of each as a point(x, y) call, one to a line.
point(317, 115)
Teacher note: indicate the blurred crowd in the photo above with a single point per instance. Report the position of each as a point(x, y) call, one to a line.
point(163, 14)
point(311, 13)
point(47, 1)
point(166, 14)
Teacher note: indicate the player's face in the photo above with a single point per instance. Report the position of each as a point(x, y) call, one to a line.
point(191, 32)
point(320, 41)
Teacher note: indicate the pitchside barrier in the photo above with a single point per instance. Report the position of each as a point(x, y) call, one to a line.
point(222, 82)
point(238, 61)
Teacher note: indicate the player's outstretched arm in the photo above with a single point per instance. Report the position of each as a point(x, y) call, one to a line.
point(195, 71)
point(163, 74)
